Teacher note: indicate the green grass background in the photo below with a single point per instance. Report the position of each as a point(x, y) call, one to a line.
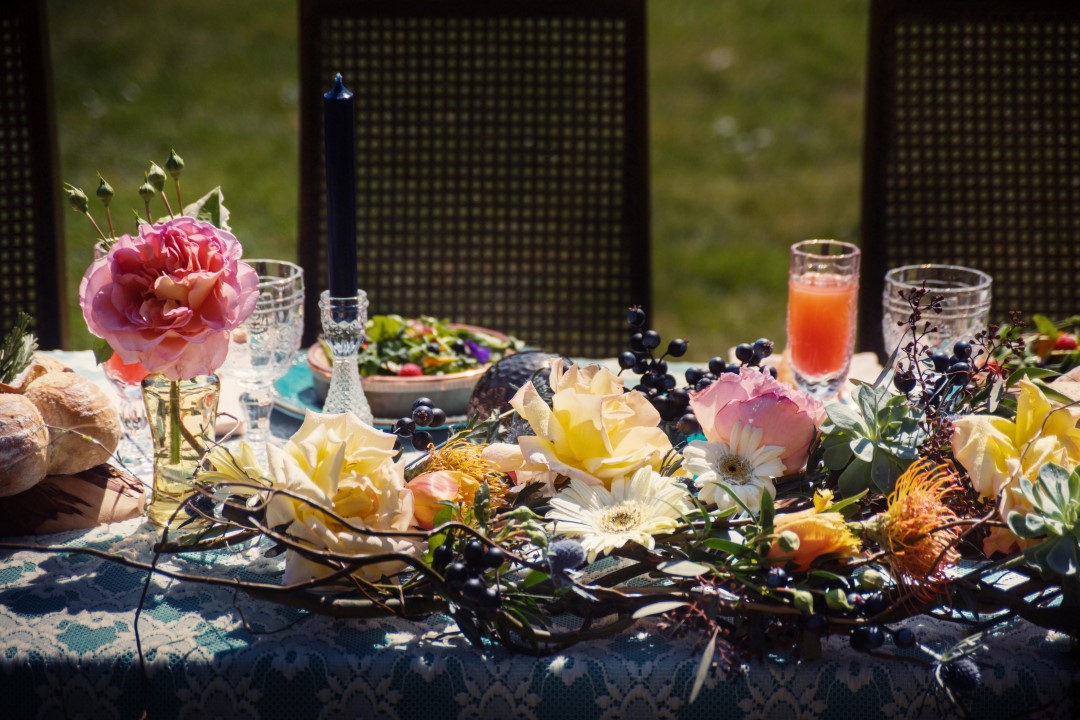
point(756, 133)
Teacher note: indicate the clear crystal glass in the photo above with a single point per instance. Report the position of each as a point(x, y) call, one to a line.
point(965, 304)
point(264, 348)
point(344, 321)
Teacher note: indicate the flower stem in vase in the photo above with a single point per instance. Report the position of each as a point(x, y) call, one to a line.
point(182, 415)
point(174, 424)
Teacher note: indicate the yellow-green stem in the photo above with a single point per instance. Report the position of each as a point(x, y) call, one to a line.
point(174, 422)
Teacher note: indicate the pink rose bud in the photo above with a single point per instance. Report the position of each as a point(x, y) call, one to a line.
point(429, 489)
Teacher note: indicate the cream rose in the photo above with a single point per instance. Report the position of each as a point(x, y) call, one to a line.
point(343, 464)
point(592, 432)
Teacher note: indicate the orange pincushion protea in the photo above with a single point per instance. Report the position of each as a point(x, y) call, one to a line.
point(920, 551)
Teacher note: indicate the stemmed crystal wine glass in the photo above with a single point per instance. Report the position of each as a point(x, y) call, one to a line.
point(265, 346)
point(126, 378)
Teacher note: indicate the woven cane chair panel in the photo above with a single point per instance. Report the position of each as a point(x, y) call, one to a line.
point(29, 277)
point(978, 123)
point(496, 172)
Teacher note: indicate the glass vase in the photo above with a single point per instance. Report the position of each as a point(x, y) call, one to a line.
point(182, 416)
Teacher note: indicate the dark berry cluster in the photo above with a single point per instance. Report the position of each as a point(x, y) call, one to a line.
point(465, 567)
point(747, 355)
point(657, 384)
point(424, 415)
point(938, 373)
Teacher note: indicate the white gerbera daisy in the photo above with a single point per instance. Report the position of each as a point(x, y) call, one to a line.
point(742, 465)
point(634, 510)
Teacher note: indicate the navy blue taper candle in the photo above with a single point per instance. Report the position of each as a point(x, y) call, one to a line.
point(339, 127)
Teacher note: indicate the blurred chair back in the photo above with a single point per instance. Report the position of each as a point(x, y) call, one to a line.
point(972, 152)
point(502, 161)
point(31, 234)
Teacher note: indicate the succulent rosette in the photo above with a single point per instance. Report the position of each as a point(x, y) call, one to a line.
point(787, 417)
point(169, 296)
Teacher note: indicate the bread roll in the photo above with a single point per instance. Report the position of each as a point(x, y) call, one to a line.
point(39, 365)
point(68, 401)
point(23, 445)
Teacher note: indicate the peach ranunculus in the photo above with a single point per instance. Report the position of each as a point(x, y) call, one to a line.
point(593, 431)
point(996, 452)
point(347, 466)
point(170, 296)
point(788, 417)
point(820, 532)
point(430, 489)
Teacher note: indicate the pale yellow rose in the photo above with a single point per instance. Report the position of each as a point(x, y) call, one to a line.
point(589, 380)
point(346, 465)
point(996, 452)
point(593, 431)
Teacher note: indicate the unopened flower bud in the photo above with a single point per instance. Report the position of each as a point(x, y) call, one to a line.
point(156, 177)
point(147, 192)
point(174, 164)
point(872, 580)
point(77, 199)
point(104, 192)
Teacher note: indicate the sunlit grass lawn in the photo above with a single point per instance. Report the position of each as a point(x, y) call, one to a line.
point(756, 131)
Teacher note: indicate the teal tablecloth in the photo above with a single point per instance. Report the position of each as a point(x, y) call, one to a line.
point(67, 650)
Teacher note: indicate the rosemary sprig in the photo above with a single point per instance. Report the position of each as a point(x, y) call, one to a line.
point(17, 349)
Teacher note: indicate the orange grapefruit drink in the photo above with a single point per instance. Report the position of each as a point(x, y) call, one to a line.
point(821, 329)
point(126, 373)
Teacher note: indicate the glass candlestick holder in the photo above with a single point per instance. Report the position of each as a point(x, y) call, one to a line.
point(344, 321)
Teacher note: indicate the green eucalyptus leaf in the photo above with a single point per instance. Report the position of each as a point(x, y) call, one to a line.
point(1061, 557)
point(855, 479)
point(883, 473)
point(1030, 372)
point(102, 351)
point(210, 208)
point(848, 503)
point(684, 568)
point(658, 608)
point(862, 448)
point(845, 418)
point(703, 668)
point(726, 546)
point(837, 457)
point(534, 578)
point(1045, 325)
point(768, 512)
point(868, 402)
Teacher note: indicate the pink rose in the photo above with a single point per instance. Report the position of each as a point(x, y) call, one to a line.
point(170, 297)
point(787, 417)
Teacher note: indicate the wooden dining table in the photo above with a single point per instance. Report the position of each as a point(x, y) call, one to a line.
point(68, 648)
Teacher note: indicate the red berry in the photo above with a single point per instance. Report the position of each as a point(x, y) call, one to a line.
point(410, 370)
point(1065, 342)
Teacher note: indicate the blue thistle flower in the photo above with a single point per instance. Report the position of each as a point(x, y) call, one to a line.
point(565, 556)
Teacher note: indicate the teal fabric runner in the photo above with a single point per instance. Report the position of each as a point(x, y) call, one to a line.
point(67, 649)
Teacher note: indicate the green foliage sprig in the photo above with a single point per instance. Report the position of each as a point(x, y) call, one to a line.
point(17, 350)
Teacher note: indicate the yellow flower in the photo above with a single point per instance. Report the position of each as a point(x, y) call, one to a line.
point(233, 466)
point(820, 532)
point(347, 466)
point(916, 509)
point(995, 451)
point(593, 432)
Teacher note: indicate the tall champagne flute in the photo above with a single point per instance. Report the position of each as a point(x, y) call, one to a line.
point(265, 346)
point(823, 291)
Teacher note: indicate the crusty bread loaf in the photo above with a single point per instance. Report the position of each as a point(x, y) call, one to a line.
point(39, 365)
point(23, 444)
point(69, 402)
